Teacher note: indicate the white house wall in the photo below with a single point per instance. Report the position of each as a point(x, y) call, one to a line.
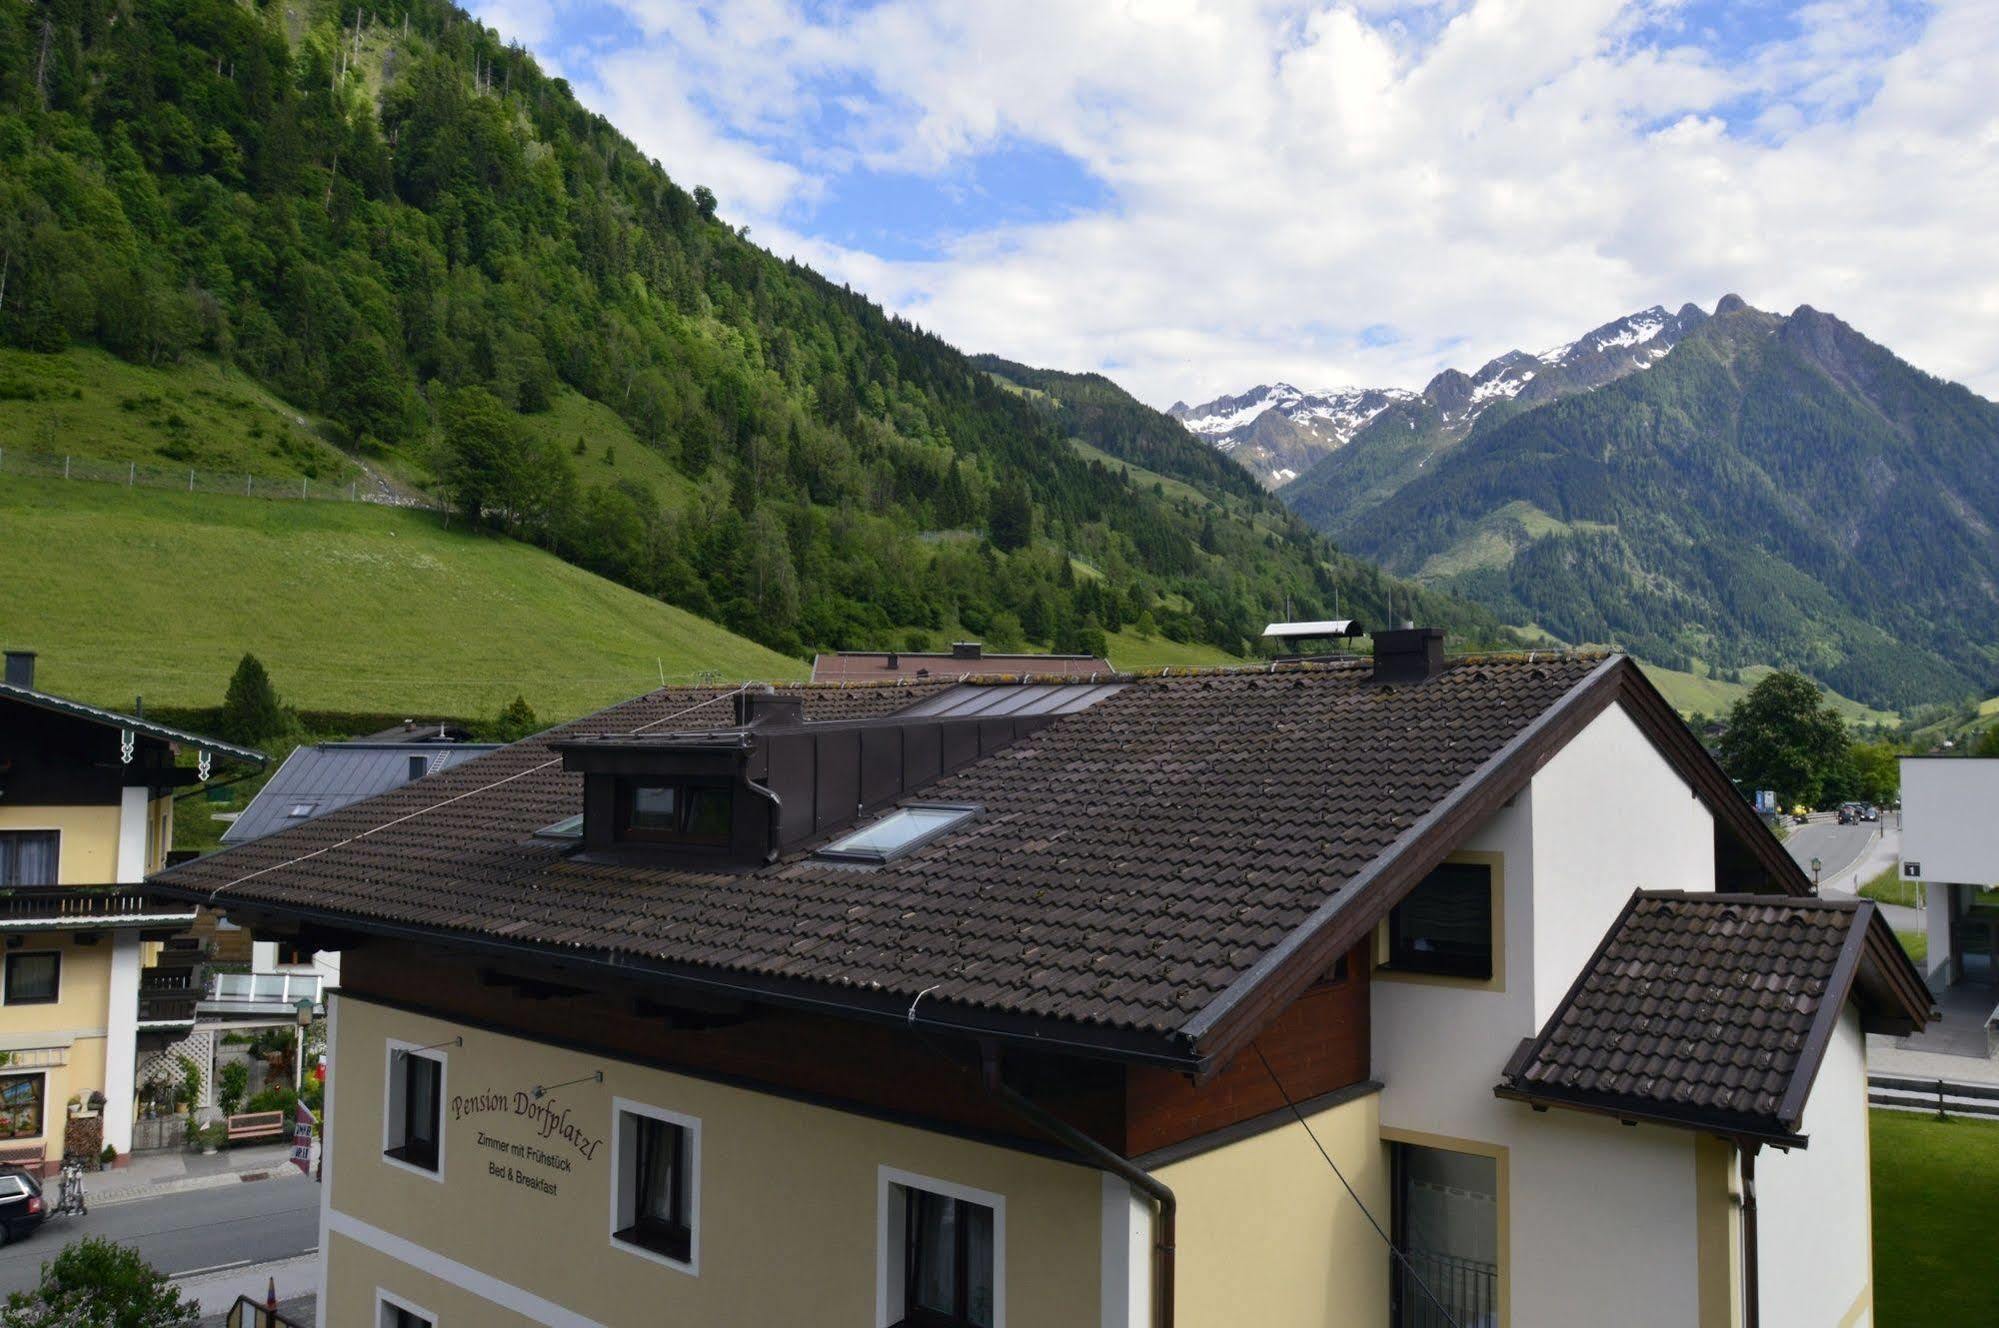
point(1610, 816)
point(1605, 816)
point(1815, 1239)
point(1950, 818)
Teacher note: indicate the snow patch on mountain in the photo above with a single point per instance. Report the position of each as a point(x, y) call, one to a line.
point(1278, 431)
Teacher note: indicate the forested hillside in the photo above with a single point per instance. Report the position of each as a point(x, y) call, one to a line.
point(407, 231)
point(1776, 490)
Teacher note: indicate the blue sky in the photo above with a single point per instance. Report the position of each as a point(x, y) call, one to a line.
point(1201, 196)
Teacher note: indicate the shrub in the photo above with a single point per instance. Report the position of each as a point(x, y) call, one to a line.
point(97, 1281)
point(108, 1157)
point(235, 1083)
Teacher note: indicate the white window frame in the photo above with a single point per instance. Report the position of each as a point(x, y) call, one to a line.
point(389, 1300)
point(620, 1108)
point(392, 1106)
point(890, 1239)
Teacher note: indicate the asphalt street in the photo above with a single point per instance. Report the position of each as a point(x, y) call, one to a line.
point(1836, 846)
point(182, 1233)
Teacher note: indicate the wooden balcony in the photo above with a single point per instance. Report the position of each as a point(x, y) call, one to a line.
point(85, 907)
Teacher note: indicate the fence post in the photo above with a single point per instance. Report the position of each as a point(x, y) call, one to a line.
point(303, 484)
point(190, 481)
point(246, 486)
point(1940, 1110)
point(131, 473)
point(65, 467)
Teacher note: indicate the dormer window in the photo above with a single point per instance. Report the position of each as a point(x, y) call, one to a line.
point(661, 813)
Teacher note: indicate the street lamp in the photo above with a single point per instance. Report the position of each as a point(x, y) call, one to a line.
point(304, 1007)
point(1815, 875)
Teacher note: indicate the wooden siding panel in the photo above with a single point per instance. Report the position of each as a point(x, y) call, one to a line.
point(1318, 1044)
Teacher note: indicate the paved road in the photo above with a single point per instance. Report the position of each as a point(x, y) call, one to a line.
point(1836, 846)
point(180, 1233)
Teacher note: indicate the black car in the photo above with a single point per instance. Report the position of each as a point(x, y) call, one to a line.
point(21, 1206)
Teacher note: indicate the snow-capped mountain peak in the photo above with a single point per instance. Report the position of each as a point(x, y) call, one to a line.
point(1277, 430)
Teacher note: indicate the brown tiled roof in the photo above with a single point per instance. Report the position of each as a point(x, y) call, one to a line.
point(876, 666)
point(1135, 862)
point(1712, 1011)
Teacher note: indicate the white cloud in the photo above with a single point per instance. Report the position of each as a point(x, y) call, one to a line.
point(1477, 174)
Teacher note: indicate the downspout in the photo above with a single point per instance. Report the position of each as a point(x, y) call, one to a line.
point(1166, 1206)
point(1751, 1300)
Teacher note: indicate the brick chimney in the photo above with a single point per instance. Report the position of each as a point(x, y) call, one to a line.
point(1408, 654)
point(21, 668)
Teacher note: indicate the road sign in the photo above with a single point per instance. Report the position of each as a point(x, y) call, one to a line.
point(1912, 870)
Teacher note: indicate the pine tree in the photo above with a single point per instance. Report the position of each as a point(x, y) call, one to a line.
point(251, 710)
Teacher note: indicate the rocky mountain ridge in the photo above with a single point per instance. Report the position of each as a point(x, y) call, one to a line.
point(1279, 431)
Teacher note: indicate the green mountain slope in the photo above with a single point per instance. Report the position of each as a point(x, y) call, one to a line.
point(352, 606)
point(404, 232)
point(1777, 490)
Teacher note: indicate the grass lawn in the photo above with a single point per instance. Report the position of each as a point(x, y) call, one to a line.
point(1890, 888)
point(1936, 1205)
point(198, 413)
point(1130, 651)
point(351, 606)
point(1696, 693)
point(1917, 944)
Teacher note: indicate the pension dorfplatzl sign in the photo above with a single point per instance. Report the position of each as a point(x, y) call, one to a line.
point(559, 1142)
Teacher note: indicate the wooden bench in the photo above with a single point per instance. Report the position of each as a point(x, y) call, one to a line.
point(256, 1125)
point(27, 1156)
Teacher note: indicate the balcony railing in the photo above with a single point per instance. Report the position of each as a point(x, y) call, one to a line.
point(170, 990)
point(168, 1005)
point(1464, 1292)
point(83, 904)
point(262, 988)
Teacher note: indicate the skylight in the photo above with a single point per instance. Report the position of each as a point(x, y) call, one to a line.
point(570, 827)
point(902, 831)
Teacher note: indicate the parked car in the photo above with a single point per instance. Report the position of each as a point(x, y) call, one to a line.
point(1869, 812)
point(1852, 813)
point(21, 1207)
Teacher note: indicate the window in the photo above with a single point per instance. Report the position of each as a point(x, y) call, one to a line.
point(1446, 1219)
point(21, 1105)
point(902, 831)
point(412, 1125)
point(656, 1158)
point(395, 1312)
point(34, 977)
point(943, 1264)
point(1444, 925)
point(569, 827)
point(675, 813)
point(301, 810)
point(28, 857)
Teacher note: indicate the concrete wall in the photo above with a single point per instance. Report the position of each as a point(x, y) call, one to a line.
point(788, 1218)
point(1592, 1214)
point(1268, 1236)
point(1816, 1231)
point(1950, 818)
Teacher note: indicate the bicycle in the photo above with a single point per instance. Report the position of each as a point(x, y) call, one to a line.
point(69, 1193)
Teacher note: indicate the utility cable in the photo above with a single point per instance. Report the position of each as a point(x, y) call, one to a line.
point(456, 797)
point(1400, 1257)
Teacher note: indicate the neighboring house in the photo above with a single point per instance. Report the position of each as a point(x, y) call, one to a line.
point(92, 976)
point(967, 659)
point(1065, 1004)
point(314, 780)
point(1950, 842)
